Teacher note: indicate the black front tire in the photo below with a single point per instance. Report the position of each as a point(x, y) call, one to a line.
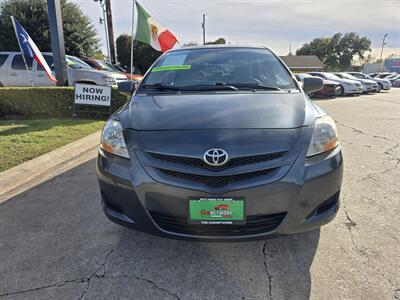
point(380, 87)
point(341, 92)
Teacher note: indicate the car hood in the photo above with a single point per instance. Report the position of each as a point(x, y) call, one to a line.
point(366, 81)
point(218, 111)
point(91, 73)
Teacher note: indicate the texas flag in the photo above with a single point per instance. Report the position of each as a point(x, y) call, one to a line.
point(29, 48)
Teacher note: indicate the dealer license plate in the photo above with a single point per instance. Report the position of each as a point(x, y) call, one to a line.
point(209, 211)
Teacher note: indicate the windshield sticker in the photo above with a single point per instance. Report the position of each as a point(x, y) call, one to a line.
point(174, 59)
point(171, 68)
point(69, 62)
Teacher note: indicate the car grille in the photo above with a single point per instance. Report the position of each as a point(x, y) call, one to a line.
point(254, 225)
point(235, 162)
point(238, 172)
point(216, 181)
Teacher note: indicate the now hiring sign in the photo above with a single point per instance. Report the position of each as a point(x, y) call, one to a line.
point(88, 94)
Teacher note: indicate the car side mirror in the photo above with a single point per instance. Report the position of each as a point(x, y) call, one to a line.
point(127, 88)
point(312, 84)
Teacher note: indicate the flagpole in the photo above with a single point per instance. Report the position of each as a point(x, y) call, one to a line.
point(133, 36)
point(20, 47)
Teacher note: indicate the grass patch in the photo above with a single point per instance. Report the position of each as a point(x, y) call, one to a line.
point(24, 139)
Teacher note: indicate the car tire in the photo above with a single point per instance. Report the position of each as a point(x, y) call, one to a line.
point(380, 88)
point(341, 92)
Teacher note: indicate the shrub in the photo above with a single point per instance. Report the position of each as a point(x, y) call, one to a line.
point(44, 101)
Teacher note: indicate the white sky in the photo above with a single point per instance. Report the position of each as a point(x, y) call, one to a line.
point(273, 23)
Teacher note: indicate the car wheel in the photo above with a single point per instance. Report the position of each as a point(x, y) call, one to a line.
point(341, 92)
point(380, 87)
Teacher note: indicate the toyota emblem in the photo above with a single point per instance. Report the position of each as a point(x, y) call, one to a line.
point(215, 157)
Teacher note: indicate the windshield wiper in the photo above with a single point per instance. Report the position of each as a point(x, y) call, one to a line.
point(162, 87)
point(208, 87)
point(250, 85)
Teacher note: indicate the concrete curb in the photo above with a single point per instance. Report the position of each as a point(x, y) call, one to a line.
point(38, 170)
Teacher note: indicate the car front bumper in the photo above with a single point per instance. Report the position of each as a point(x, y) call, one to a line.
point(304, 199)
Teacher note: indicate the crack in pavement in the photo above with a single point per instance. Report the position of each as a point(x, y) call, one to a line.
point(350, 224)
point(57, 284)
point(365, 133)
point(264, 251)
point(95, 273)
point(64, 282)
point(132, 276)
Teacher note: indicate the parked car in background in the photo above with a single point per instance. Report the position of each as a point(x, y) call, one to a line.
point(106, 66)
point(368, 85)
point(347, 86)
point(383, 84)
point(330, 89)
point(392, 78)
point(136, 74)
point(384, 75)
point(13, 71)
point(396, 83)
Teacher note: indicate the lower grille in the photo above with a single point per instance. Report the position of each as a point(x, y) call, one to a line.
point(216, 181)
point(254, 225)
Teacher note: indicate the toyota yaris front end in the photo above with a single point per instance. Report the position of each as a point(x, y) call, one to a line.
point(220, 144)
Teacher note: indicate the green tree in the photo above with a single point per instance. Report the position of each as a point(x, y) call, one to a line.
point(190, 44)
point(337, 52)
point(143, 54)
point(80, 37)
point(219, 41)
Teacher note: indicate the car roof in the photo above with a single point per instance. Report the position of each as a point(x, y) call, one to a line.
point(219, 46)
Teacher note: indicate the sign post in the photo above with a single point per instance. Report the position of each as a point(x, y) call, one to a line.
point(57, 41)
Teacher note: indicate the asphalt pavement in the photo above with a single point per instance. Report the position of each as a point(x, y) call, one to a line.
point(55, 242)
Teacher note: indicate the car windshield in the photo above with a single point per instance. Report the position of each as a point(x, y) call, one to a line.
point(359, 75)
point(106, 66)
point(331, 76)
point(236, 68)
point(77, 64)
point(348, 76)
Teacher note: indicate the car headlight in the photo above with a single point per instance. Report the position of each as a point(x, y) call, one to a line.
point(112, 139)
point(325, 136)
point(108, 80)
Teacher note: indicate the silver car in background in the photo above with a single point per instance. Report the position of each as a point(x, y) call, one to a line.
point(347, 86)
point(368, 85)
point(13, 72)
point(383, 84)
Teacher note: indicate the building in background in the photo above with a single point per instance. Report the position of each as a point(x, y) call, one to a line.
point(389, 65)
point(303, 63)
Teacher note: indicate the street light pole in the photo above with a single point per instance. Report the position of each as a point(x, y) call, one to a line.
point(103, 8)
point(203, 25)
point(133, 36)
point(383, 44)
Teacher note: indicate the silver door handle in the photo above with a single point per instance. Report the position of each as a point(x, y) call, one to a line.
point(13, 74)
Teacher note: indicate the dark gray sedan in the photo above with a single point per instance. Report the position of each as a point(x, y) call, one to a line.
point(220, 144)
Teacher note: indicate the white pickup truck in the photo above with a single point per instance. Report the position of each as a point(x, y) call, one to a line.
point(13, 72)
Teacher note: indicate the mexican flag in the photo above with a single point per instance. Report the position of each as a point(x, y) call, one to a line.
point(151, 33)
